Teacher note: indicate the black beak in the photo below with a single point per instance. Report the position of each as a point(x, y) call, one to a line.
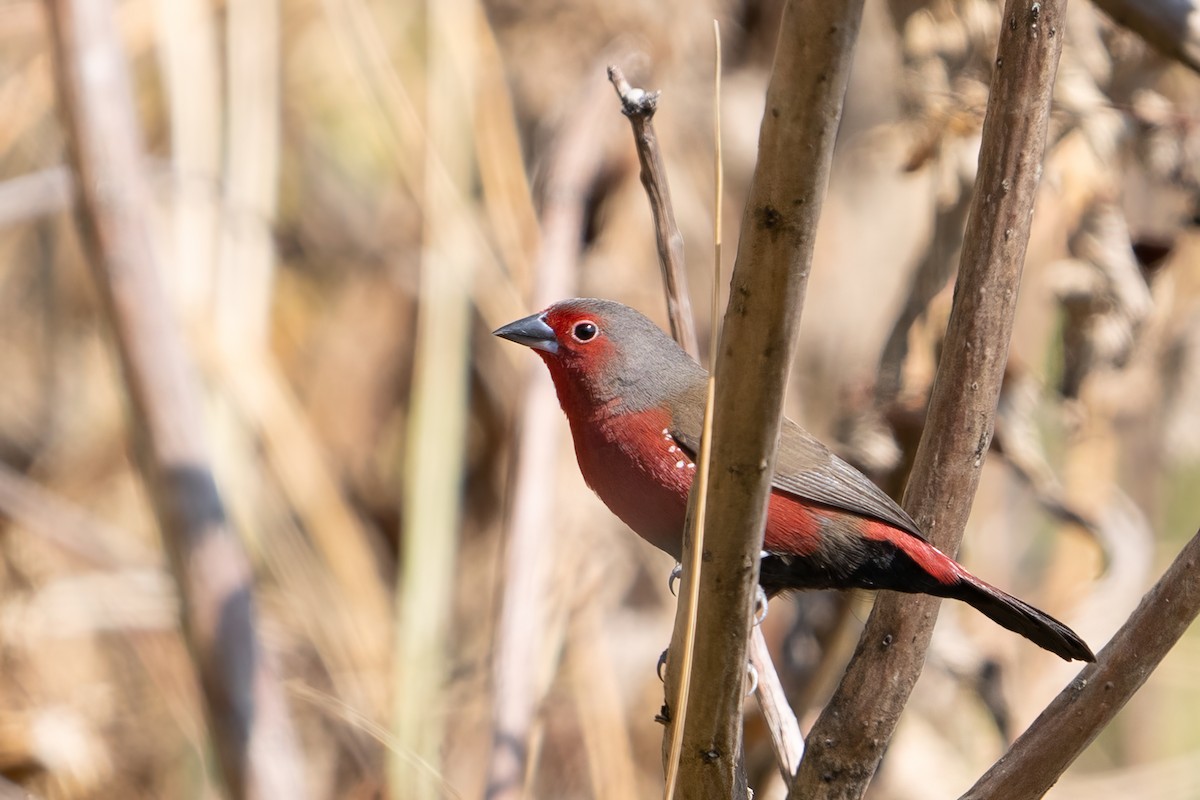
point(532, 331)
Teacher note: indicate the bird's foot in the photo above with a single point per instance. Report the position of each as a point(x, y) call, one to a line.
point(760, 605)
point(752, 675)
point(673, 580)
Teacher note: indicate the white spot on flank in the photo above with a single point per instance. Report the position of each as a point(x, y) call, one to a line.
point(691, 465)
point(678, 465)
point(672, 449)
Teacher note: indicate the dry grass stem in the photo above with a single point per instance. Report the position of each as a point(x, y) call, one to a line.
point(187, 49)
point(242, 294)
point(438, 415)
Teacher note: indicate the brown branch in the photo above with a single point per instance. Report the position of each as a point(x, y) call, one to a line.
point(252, 733)
point(639, 106)
point(758, 340)
point(1077, 715)
point(573, 167)
point(1169, 26)
point(850, 736)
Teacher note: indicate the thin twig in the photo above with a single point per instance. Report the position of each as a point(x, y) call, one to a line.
point(1077, 715)
point(786, 738)
point(757, 344)
point(850, 736)
point(639, 106)
point(253, 737)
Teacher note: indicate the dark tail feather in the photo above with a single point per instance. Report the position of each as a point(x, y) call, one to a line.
point(1020, 617)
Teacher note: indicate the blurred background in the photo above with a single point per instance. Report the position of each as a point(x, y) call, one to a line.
point(349, 195)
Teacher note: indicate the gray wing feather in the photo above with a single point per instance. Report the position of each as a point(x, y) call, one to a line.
point(829, 480)
point(807, 469)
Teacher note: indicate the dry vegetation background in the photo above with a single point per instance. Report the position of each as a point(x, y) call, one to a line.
point(325, 184)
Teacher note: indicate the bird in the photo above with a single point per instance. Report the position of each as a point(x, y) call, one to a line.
point(634, 401)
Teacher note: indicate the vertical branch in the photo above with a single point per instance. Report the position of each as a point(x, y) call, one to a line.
point(849, 738)
point(639, 106)
point(254, 741)
point(803, 109)
point(572, 170)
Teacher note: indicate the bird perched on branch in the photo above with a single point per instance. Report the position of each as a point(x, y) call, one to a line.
point(635, 404)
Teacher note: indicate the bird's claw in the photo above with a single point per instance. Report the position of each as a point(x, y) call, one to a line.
point(662, 663)
point(673, 580)
point(760, 605)
point(752, 673)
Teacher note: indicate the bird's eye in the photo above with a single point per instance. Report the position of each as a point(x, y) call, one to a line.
point(584, 331)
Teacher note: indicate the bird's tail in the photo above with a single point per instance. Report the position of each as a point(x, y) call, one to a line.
point(1020, 617)
point(873, 555)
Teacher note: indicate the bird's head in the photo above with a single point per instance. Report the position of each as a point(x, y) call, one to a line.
point(604, 355)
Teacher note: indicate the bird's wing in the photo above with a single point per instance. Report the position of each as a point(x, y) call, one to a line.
point(807, 469)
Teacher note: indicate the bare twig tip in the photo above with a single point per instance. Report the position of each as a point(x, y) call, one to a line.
point(635, 102)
